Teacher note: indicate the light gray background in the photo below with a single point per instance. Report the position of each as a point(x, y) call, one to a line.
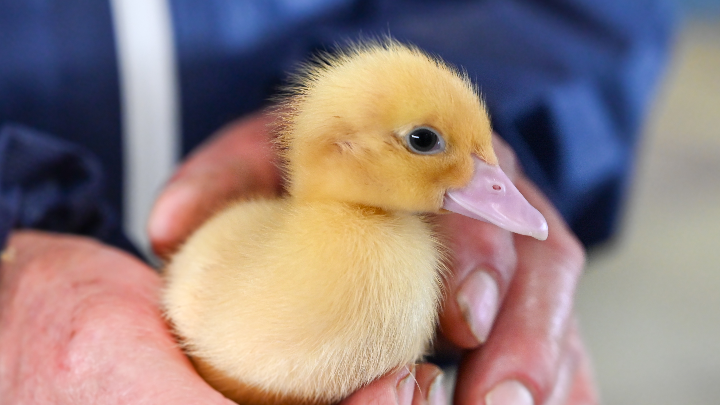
point(650, 305)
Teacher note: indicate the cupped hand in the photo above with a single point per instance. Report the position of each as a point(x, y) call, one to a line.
point(509, 301)
point(80, 324)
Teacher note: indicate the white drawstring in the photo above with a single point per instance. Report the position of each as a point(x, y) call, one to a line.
point(150, 106)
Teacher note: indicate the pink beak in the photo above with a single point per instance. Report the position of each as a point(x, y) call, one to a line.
point(492, 197)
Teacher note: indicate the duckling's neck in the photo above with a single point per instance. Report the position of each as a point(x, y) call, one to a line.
point(346, 208)
point(362, 191)
point(379, 248)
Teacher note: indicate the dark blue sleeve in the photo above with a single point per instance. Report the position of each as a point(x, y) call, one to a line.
point(53, 185)
point(58, 75)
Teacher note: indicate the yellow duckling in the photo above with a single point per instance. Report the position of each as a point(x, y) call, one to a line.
point(306, 298)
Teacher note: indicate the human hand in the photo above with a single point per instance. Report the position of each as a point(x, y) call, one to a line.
point(514, 294)
point(526, 284)
point(80, 324)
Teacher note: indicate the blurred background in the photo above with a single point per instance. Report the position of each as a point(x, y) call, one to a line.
point(649, 304)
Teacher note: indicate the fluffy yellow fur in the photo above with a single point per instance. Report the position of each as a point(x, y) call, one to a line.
point(361, 103)
point(305, 299)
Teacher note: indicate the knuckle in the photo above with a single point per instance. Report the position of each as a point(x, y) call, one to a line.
point(545, 374)
point(505, 153)
point(473, 244)
point(495, 252)
point(539, 362)
point(575, 253)
point(512, 161)
point(570, 253)
point(497, 248)
point(37, 251)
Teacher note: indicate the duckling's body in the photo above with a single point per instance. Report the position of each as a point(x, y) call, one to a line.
point(304, 299)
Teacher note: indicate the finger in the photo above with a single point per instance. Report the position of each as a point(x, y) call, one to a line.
point(521, 359)
point(238, 161)
point(482, 265)
point(393, 389)
point(506, 158)
point(568, 367)
point(574, 384)
point(430, 388)
point(583, 390)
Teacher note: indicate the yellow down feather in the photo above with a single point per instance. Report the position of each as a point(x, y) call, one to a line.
point(306, 298)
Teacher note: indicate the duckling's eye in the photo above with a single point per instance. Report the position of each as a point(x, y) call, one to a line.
point(425, 141)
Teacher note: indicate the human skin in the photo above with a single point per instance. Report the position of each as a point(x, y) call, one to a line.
point(80, 324)
point(80, 321)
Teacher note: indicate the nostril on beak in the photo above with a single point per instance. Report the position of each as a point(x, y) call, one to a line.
point(496, 188)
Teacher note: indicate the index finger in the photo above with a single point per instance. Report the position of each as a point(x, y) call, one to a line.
point(526, 346)
point(483, 263)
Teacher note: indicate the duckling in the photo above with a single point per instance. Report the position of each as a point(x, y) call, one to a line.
point(305, 298)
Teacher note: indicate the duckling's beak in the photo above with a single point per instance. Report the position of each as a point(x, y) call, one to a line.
point(492, 197)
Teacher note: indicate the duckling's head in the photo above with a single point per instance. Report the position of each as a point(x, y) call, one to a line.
point(385, 125)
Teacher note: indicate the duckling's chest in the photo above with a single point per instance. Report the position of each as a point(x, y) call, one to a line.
point(372, 275)
point(369, 283)
point(366, 255)
point(308, 301)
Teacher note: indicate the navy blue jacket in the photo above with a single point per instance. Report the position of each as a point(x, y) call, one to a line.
point(567, 83)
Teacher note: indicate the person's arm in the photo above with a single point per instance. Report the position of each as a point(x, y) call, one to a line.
point(48, 183)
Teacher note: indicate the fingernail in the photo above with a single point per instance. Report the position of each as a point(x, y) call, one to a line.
point(478, 301)
point(509, 393)
point(436, 394)
point(406, 388)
